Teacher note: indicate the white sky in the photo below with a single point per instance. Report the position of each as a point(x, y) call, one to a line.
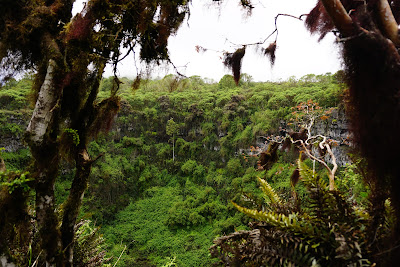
point(297, 53)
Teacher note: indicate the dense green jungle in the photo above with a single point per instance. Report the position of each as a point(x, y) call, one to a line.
point(177, 154)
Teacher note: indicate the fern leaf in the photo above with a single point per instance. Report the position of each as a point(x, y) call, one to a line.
point(269, 192)
point(293, 222)
point(309, 177)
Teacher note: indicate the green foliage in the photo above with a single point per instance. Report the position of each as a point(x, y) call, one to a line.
point(213, 124)
point(89, 246)
point(168, 211)
point(15, 180)
point(14, 94)
point(142, 229)
point(172, 127)
point(73, 134)
point(16, 160)
point(323, 229)
point(350, 182)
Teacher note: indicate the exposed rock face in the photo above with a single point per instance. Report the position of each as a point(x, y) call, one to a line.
point(335, 128)
point(12, 128)
point(14, 123)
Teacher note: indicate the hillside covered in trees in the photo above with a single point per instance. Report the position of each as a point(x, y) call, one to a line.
point(169, 174)
point(176, 155)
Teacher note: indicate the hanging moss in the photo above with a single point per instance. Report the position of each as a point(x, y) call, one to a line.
point(233, 61)
point(270, 52)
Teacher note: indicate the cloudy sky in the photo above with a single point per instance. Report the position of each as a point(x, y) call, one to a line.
point(219, 27)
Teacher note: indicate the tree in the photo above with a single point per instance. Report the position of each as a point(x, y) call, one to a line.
point(172, 129)
point(313, 145)
point(306, 115)
point(68, 55)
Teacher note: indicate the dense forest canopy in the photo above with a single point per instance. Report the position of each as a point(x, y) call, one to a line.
point(68, 55)
point(218, 123)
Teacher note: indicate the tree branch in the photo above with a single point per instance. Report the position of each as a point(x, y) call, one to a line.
point(388, 22)
point(340, 17)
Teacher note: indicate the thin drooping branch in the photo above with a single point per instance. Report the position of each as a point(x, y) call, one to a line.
point(273, 32)
point(176, 68)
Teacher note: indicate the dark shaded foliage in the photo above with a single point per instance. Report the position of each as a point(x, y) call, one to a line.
point(260, 247)
point(375, 107)
point(268, 157)
point(15, 221)
point(88, 246)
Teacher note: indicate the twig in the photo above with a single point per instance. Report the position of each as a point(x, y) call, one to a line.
point(387, 251)
point(263, 41)
point(176, 69)
point(120, 255)
point(37, 258)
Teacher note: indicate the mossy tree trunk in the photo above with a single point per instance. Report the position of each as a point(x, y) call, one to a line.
point(69, 55)
point(45, 150)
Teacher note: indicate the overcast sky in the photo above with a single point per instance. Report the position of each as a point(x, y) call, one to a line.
point(216, 28)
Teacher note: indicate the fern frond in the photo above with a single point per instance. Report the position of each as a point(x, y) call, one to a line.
point(293, 222)
point(389, 217)
point(270, 192)
point(327, 231)
point(309, 177)
point(262, 247)
point(322, 201)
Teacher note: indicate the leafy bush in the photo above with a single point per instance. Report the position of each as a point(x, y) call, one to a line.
point(324, 229)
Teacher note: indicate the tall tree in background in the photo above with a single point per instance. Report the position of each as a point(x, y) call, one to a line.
point(68, 55)
point(172, 129)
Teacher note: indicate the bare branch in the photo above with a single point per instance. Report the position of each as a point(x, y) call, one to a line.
point(340, 17)
point(388, 22)
point(335, 166)
point(273, 32)
point(176, 68)
point(310, 155)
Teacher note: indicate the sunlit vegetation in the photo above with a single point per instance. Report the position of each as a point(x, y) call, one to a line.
point(172, 162)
